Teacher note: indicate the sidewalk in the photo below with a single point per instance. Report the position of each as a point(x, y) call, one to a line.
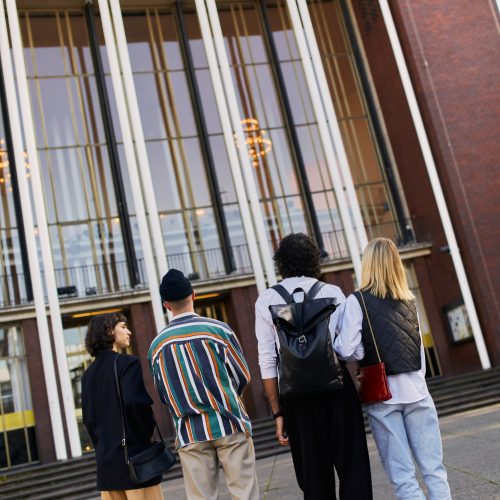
point(471, 454)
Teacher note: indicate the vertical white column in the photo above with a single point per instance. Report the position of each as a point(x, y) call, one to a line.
point(332, 123)
point(354, 247)
point(435, 183)
point(34, 266)
point(48, 264)
point(135, 184)
point(138, 135)
point(234, 112)
point(239, 186)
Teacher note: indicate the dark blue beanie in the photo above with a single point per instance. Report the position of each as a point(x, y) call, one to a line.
point(175, 286)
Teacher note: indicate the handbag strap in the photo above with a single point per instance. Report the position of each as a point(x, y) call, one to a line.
point(370, 326)
point(124, 434)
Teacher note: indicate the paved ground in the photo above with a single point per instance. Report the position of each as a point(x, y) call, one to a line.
point(471, 454)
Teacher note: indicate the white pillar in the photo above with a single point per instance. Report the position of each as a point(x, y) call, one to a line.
point(48, 263)
point(34, 266)
point(435, 183)
point(333, 124)
point(135, 184)
point(138, 135)
point(234, 112)
point(239, 186)
point(312, 85)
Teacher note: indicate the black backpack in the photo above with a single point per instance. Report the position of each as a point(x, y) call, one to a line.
point(307, 362)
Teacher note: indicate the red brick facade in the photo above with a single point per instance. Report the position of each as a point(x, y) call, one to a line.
point(456, 49)
point(43, 425)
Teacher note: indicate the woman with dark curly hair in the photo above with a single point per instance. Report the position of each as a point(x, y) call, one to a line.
point(325, 431)
point(107, 334)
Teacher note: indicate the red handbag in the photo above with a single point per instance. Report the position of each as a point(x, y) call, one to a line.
point(372, 380)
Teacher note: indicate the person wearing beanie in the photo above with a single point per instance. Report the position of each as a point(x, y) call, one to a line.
point(200, 372)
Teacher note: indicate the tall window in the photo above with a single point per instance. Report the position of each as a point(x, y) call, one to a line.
point(270, 150)
point(79, 197)
point(179, 169)
point(78, 361)
point(355, 124)
point(12, 283)
point(17, 422)
point(75, 330)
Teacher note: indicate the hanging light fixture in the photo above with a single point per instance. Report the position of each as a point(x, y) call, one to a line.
point(258, 145)
point(4, 163)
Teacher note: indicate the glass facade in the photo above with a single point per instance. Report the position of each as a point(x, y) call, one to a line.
point(179, 166)
point(12, 278)
point(355, 122)
point(78, 361)
point(200, 220)
point(81, 206)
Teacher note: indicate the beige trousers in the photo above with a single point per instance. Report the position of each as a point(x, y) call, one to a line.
point(200, 467)
point(151, 493)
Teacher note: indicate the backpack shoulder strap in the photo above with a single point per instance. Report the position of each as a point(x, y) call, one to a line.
point(315, 289)
point(283, 292)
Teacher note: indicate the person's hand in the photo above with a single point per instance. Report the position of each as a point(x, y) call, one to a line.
point(280, 432)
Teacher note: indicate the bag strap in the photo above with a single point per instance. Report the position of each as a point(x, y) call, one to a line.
point(284, 293)
point(124, 435)
point(315, 289)
point(370, 325)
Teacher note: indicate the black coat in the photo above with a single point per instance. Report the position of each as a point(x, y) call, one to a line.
point(102, 418)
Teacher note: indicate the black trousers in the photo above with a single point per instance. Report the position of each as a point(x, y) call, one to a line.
point(327, 432)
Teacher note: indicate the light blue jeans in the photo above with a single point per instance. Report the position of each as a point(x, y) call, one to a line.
point(401, 430)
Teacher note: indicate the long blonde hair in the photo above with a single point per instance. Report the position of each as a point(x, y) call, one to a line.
point(382, 271)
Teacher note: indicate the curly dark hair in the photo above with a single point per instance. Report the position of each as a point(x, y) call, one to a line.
point(99, 336)
point(298, 255)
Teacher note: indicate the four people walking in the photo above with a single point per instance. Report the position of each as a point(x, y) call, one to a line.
point(200, 372)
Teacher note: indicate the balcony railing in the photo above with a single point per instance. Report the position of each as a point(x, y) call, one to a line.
point(112, 277)
point(103, 279)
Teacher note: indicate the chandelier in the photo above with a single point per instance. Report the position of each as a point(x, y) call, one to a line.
point(4, 163)
point(258, 145)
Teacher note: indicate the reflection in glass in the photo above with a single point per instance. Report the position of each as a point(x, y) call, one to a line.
point(78, 361)
point(12, 280)
point(355, 125)
point(17, 441)
point(178, 167)
point(259, 102)
point(77, 182)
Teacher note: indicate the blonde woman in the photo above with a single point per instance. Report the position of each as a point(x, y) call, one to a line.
point(406, 426)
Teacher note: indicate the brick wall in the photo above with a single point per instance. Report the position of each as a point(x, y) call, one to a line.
point(241, 312)
point(43, 426)
point(142, 325)
point(436, 273)
point(454, 61)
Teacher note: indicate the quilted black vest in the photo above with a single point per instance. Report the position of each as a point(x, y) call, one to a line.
point(395, 326)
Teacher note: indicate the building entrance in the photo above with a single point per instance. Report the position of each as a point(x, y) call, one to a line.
point(75, 329)
point(17, 421)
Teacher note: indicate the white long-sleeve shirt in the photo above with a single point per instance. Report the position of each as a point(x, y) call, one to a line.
point(404, 387)
point(264, 329)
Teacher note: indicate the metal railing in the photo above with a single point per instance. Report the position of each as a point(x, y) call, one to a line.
point(102, 279)
point(113, 276)
point(335, 245)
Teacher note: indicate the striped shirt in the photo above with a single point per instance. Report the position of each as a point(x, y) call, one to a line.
point(200, 372)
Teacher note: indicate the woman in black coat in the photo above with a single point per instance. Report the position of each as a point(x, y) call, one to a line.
point(106, 335)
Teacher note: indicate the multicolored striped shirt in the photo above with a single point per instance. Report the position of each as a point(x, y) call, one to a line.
point(200, 372)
